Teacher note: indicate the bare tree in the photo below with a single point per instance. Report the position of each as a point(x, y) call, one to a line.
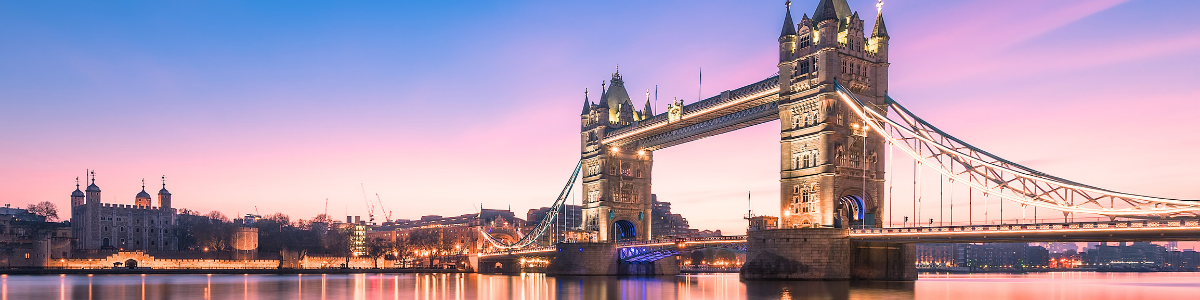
point(404, 249)
point(217, 216)
point(377, 248)
point(45, 209)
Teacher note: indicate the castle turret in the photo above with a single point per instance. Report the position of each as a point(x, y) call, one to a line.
point(878, 43)
point(93, 191)
point(77, 197)
point(142, 198)
point(787, 37)
point(164, 197)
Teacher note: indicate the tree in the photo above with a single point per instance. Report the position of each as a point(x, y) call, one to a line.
point(45, 209)
point(217, 216)
point(404, 249)
point(377, 248)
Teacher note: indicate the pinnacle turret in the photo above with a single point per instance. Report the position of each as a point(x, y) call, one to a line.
point(880, 28)
point(789, 28)
point(587, 105)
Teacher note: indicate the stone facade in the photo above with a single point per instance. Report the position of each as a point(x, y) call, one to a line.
point(616, 181)
point(798, 254)
point(831, 171)
point(97, 225)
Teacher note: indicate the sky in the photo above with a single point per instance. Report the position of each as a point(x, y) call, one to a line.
point(442, 106)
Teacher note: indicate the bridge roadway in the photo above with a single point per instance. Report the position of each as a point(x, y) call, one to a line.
point(1103, 231)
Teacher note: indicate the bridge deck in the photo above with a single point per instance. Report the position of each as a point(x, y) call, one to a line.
point(1116, 231)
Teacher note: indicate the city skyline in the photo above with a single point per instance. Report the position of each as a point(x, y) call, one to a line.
point(306, 104)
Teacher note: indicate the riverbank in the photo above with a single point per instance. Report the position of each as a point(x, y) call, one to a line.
point(218, 271)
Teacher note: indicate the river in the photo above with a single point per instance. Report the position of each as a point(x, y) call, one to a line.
point(1067, 285)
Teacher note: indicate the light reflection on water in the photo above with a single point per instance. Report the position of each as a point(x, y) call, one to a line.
point(1090, 286)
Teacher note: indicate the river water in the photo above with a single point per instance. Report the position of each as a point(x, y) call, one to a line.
point(1080, 285)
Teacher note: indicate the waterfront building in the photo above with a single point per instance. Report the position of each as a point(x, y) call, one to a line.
point(1139, 255)
point(570, 217)
point(664, 223)
point(27, 240)
point(138, 226)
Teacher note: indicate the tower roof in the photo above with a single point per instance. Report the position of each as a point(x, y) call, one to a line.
point(831, 10)
point(77, 192)
point(880, 28)
point(587, 108)
point(92, 187)
point(648, 111)
point(616, 94)
point(789, 28)
point(163, 191)
point(143, 193)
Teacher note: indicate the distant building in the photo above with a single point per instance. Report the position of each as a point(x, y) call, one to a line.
point(663, 223)
point(1000, 256)
point(571, 216)
point(1187, 260)
point(26, 240)
point(141, 226)
point(940, 255)
point(1139, 255)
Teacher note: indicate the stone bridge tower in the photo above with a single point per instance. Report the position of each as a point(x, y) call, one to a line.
point(831, 171)
point(616, 180)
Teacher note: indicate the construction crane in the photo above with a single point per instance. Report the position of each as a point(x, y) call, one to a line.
point(387, 214)
point(370, 207)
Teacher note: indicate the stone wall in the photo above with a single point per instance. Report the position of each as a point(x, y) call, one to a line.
point(144, 260)
point(883, 261)
point(584, 259)
point(798, 254)
point(824, 254)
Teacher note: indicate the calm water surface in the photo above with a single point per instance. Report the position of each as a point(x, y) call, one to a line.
point(1090, 286)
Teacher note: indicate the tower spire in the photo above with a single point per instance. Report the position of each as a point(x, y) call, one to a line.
point(648, 111)
point(164, 181)
point(76, 182)
point(880, 29)
point(789, 28)
point(143, 184)
point(587, 105)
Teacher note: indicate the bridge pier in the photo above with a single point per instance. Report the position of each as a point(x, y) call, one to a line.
point(584, 259)
point(824, 254)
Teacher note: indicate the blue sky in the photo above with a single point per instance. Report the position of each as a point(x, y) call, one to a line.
point(438, 106)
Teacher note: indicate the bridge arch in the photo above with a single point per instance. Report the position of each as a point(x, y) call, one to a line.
point(624, 230)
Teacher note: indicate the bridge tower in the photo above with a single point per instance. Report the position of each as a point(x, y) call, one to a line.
point(828, 176)
point(831, 172)
point(616, 179)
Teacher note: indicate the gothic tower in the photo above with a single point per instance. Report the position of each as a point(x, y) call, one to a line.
point(616, 179)
point(830, 163)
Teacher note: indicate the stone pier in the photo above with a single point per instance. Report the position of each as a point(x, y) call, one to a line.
point(824, 254)
point(584, 259)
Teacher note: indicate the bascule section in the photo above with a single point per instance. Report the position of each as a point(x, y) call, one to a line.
point(830, 174)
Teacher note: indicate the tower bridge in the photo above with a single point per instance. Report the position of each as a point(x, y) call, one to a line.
point(838, 127)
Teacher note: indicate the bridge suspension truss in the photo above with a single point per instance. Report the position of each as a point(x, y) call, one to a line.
point(995, 176)
point(548, 222)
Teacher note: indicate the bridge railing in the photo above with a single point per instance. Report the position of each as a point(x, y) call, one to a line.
point(1104, 225)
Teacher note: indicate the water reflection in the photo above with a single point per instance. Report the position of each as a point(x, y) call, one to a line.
point(538, 286)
